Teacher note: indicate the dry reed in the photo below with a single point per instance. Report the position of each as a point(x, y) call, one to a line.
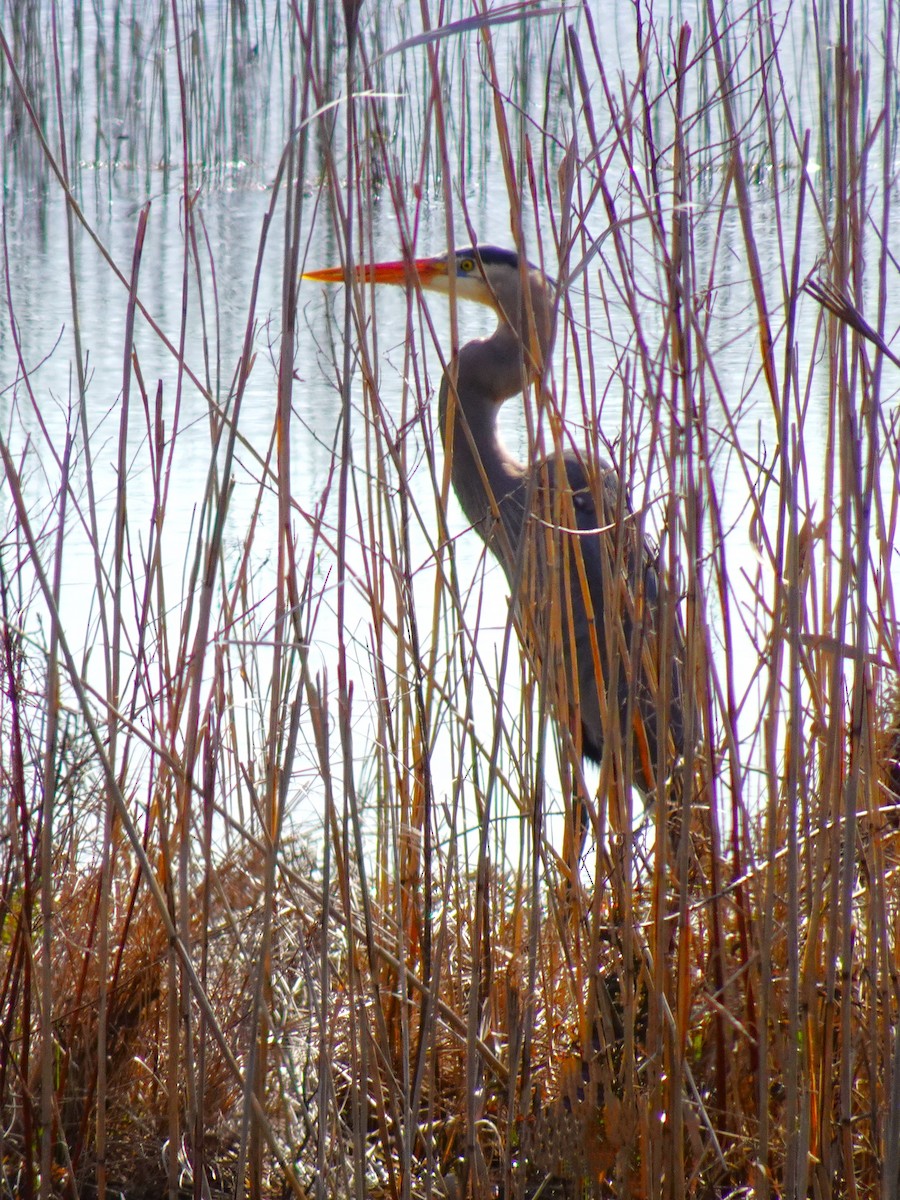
point(201, 989)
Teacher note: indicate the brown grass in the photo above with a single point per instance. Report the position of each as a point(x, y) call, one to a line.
point(203, 991)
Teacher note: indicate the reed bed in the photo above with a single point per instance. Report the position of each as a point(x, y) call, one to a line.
point(284, 909)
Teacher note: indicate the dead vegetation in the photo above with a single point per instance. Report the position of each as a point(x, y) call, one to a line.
point(207, 990)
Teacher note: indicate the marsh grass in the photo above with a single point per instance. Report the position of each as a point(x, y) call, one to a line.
point(198, 991)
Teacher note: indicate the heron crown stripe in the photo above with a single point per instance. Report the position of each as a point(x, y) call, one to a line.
point(491, 256)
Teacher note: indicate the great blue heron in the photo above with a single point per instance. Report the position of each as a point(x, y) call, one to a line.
point(585, 584)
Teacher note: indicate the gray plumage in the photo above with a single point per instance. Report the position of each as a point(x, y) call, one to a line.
point(527, 514)
point(586, 586)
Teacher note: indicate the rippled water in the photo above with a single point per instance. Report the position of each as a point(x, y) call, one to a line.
point(121, 106)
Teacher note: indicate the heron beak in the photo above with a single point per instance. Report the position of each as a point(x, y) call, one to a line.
point(401, 272)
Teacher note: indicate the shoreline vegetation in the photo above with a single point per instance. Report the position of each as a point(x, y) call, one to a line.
point(283, 904)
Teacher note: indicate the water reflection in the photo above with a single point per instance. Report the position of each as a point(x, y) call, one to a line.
point(127, 145)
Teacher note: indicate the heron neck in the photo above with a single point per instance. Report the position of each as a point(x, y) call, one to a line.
point(488, 371)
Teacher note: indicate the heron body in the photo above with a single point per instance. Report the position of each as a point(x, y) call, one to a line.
point(585, 584)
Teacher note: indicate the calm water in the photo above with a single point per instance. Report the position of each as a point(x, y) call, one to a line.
point(123, 127)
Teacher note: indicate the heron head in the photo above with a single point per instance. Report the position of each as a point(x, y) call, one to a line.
point(487, 275)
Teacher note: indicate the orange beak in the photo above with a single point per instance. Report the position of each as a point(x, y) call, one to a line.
point(427, 269)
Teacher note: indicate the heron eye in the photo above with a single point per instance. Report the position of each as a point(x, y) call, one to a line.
point(467, 265)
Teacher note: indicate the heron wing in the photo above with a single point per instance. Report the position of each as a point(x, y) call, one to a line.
point(611, 593)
